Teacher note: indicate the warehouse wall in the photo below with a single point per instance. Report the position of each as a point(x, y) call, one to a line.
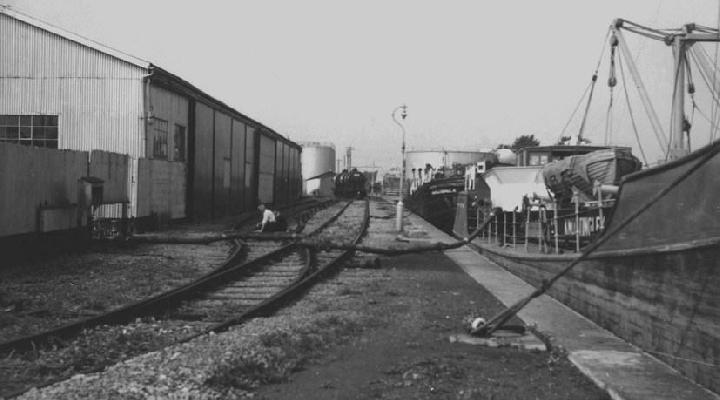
point(278, 189)
point(32, 177)
point(112, 168)
point(251, 167)
point(204, 152)
point(237, 181)
point(98, 98)
point(222, 164)
point(173, 108)
point(295, 178)
point(161, 189)
point(100, 102)
point(116, 172)
point(266, 171)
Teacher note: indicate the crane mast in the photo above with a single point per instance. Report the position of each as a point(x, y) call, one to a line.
point(681, 41)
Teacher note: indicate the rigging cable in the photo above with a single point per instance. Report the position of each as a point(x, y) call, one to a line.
point(632, 118)
point(702, 62)
point(590, 85)
point(579, 103)
point(592, 88)
point(644, 97)
point(702, 114)
point(714, 110)
point(612, 82)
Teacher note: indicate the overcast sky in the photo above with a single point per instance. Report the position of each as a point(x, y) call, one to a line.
point(473, 74)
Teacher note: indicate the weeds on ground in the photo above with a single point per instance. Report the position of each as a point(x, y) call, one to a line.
point(278, 353)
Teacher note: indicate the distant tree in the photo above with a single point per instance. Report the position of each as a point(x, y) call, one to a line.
point(523, 141)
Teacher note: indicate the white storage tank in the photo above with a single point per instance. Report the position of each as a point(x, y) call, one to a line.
point(506, 156)
point(418, 159)
point(318, 168)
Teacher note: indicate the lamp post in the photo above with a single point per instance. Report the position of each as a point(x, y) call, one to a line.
point(399, 215)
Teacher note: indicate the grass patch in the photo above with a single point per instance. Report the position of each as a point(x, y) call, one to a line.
point(278, 352)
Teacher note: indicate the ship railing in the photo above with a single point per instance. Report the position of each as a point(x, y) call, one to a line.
point(547, 228)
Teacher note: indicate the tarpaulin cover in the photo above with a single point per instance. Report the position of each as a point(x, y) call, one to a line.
point(689, 212)
point(508, 185)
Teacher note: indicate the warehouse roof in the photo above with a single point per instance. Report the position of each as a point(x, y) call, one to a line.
point(73, 37)
point(160, 75)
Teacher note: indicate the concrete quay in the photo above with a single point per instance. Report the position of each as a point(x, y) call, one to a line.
point(623, 370)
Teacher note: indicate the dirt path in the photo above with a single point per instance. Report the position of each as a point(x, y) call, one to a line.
point(366, 333)
point(418, 303)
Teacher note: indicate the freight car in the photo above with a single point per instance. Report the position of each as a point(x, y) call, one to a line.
point(351, 184)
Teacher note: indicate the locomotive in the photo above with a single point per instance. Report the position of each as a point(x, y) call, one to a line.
point(351, 184)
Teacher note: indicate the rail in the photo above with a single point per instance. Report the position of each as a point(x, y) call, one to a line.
point(151, 306)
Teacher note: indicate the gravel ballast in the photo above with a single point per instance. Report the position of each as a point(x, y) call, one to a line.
point(364, 333)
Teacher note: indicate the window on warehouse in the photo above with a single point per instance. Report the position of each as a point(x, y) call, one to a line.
point(160, 139)
point(179, 143)
point(30, 130)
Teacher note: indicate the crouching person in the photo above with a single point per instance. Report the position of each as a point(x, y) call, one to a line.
point(270, 221)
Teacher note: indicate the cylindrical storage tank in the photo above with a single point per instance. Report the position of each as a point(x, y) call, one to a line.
point(419, 159)
point(506, 156)
point(318, 162)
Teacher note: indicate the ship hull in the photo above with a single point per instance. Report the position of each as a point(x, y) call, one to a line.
point(656, 282)
point(667, 303)
point(436, 201)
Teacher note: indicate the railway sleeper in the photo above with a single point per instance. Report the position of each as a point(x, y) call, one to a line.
point(250, 289)
point(211, 304)
point(240, 296)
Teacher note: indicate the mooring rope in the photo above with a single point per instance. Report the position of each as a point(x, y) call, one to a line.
point(396, 252)
point(498, 320)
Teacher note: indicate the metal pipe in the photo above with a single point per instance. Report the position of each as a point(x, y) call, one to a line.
point(148, 110)
point(557, 228)
point(576, 199)
point(489, 233)
point(496, 229)
point(504, 241)
point(601, 223)
point(539, 225)
point(527, 227)
point(514, 228)
point(399, 211)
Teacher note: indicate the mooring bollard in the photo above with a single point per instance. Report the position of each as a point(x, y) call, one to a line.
point(399, 216)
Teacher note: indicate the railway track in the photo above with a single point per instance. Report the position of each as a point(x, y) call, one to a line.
point(272, 273)
point(245, 257)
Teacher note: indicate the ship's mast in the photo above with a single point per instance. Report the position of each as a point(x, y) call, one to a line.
point(681, 43)
point(678, 147)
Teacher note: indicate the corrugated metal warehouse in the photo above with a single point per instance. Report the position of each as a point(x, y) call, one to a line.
point(198, 157)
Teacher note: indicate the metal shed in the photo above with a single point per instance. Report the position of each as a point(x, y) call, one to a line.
point(98, 98)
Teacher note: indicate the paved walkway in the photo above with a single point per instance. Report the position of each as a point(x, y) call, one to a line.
point(620, 368)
